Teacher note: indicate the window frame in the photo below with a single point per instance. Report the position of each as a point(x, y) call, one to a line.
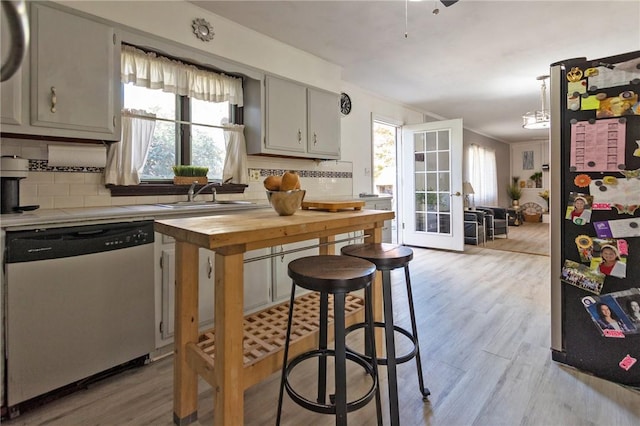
point(183, 146)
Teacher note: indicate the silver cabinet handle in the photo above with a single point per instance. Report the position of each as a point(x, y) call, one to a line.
point(54, 99)
point(299, 136)
point(315, 138)
point(210, 271)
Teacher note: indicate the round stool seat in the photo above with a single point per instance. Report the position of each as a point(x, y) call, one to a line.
point(331, 274)
point(383, 255)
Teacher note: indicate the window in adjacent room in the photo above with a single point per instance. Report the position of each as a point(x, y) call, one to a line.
point(481, 166)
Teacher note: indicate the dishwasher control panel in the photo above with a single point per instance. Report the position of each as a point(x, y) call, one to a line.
point(55, 243)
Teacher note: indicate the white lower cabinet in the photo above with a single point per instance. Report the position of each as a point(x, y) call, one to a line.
point(281, 285)
point(256, 291)
point(389, 225)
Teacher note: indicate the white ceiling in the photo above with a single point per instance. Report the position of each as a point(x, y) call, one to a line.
point(475, 59)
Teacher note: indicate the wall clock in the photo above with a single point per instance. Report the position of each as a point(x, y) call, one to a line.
point(345, 104)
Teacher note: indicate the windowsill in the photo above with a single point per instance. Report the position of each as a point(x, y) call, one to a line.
point(170, 189)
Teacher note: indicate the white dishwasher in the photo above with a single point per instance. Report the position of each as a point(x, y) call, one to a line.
point(79, 301)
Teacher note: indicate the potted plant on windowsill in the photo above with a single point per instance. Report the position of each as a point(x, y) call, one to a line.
point(186, 175)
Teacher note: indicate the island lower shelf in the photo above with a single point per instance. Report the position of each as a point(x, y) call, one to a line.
point(264, 337)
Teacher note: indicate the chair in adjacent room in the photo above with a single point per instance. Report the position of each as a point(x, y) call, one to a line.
point(335, 276)
point(497, 221)
point(474, 227)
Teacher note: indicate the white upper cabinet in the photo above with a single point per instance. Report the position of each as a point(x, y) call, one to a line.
point(300, 122)
point(74, 78)
point(286, 116)
point(323, 118)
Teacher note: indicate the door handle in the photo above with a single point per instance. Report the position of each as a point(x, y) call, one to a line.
point(457, 194)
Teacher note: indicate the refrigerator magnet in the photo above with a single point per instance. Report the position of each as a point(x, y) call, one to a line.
point(579, 208)
point(620, 228)
point(610, 257)
point(582, 276)
point(627, 362)
point(608, 316)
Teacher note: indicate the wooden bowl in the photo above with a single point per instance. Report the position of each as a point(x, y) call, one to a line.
point(285, 203)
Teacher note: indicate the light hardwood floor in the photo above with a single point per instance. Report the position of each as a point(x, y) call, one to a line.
point(484, 327)
point(532, 238)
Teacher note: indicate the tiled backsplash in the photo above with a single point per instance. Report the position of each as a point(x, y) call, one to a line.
point(84, 187)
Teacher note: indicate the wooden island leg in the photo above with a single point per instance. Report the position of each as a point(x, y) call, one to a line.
point(185, 379)
point(229, 318)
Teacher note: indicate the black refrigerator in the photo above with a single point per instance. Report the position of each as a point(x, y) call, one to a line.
point(595, 208)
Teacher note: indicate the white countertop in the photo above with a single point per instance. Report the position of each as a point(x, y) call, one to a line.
point(70, 216)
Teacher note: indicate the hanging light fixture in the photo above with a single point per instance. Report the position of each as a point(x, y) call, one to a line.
point(539, 119)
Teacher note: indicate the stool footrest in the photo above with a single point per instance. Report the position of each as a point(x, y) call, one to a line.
point(330, 408)
point(381, 360)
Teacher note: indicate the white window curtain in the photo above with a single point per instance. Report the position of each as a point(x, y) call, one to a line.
point(235, 162)
point(157, 72)
point(483, 175)
point(126, 158)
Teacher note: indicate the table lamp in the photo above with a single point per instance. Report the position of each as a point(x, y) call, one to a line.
point(467, 190)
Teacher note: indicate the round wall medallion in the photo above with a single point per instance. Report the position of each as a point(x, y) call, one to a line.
point(202, 29)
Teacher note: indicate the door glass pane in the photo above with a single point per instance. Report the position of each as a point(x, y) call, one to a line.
point(432, 182)
point(419, 162)
point(443, 140)
point(443, 183)
point(420, 222)
point(432, 201)
point(443, 160)
point(433, 188)
point(431, 141)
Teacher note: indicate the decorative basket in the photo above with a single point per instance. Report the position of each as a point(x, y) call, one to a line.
point(188, 180)
point(535, 217)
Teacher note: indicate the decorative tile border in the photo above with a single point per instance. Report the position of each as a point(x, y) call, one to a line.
point(308, 173)
point(43, 166)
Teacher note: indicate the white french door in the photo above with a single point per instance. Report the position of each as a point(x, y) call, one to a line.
point(432, 204)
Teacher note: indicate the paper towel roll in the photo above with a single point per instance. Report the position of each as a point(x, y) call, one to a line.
point(78, 156)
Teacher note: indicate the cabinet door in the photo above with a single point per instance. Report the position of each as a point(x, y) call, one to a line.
point(281, 281)
point(73, 73)
point(257, 280)
point(286, 116)
point(324, 123)
point(389, 225)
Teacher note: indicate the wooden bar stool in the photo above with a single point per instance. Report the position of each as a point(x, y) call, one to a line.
point(335, 275)
point(388, 257)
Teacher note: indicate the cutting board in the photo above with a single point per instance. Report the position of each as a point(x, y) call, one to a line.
point(332, 206)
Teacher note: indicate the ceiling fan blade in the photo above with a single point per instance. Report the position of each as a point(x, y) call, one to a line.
point(448, 3)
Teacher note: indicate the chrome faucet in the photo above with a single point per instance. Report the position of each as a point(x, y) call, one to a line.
point(191, 196)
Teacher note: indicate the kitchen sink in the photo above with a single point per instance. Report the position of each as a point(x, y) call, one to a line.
point(206, 204)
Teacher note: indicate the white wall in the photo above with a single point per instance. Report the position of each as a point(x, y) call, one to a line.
point(540, 150)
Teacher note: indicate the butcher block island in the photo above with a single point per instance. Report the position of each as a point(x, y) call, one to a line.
point(239, 352)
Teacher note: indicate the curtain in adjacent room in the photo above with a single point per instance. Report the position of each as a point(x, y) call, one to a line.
point(125, 159)
point(483, 175)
